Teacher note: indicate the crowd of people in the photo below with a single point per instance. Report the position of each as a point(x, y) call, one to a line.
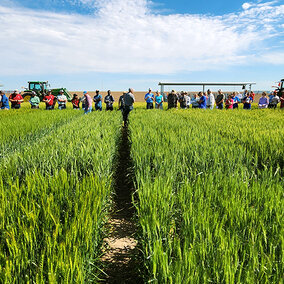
point(207, 100)
point(202, 100)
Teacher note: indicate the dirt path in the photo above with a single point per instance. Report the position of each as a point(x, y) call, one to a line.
point(120, 261)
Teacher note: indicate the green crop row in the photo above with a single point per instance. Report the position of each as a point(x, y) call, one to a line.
point(210, 195)
point(54, 199)
point(24, 127)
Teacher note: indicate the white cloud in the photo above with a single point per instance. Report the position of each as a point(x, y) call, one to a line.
point(125, 36)
point(246, 6)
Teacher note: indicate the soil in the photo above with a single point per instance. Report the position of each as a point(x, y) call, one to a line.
point(121, 257)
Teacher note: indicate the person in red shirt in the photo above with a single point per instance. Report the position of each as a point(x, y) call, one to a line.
point(229, 102)
point(252, 94)
point(49, 100)
point(75, 102)
point(16, 99)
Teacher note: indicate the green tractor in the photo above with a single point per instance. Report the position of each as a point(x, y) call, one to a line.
point(41, 88)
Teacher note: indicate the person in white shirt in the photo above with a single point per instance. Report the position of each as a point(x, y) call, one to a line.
point(61, 100)
point(210, 100)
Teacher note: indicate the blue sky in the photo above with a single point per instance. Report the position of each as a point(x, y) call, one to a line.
point(116, 44)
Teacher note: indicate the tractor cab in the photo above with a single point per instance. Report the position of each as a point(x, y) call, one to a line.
point(38, 87)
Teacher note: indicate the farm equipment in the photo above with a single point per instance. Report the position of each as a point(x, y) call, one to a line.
point(41, 88)
point(281, 86)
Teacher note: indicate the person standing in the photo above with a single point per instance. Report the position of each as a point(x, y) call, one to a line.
point(172, 99)
point(236, 100)
point(16, 99)
point(49, 100)
point(247, 101)
point(4, 101)
point(275, 100)
point(98, 101)
point(211, 100)
point(159, 101)
point(263, 101)
point(229, 102)
point(34, 100)
point(252, 95)
point(109, 100)
point(129, 100)
point(188, 100)
point(75, 101)
point(220, 100)
point(121, 101)
point(61, 100)
point(149, 98)
point(202, 100)
point(182, 101)
point(88, 102)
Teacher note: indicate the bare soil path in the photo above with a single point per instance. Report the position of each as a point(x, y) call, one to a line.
point(120, 260)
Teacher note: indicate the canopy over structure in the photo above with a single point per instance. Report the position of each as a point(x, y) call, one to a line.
point(206, 84)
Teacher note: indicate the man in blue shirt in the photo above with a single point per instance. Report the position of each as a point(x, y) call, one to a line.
point(98, 101)
point(4, 101)
point(202, 101)
point(149, 98)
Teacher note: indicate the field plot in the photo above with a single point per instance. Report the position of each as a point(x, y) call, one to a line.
point(210, 195)
point(54, 195)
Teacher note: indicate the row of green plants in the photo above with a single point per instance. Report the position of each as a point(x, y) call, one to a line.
point(23, 127)
point(54, 200)
point(210, 195)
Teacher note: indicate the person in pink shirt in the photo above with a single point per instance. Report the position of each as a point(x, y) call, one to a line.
point(229, 102)
point(88, 102)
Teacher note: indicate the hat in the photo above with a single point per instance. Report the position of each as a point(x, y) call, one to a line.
point(173, 91)
point(220, 90)
point(85, 92)
point(61, 91)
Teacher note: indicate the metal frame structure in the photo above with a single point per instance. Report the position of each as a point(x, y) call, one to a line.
point(206, 84)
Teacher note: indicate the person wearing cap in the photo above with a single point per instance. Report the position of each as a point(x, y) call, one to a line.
point(129, 100)
point(61, 100)
point(98, 101)
point(210, 100)
point(88, 103)
point(4, 101)
point(49, 100)
point(220, 100)
point(75, 102)
point(149, 98)
point(159, 99)
point(34, 100)
point(109, 100)
point(172, 99)
point(16, 99)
